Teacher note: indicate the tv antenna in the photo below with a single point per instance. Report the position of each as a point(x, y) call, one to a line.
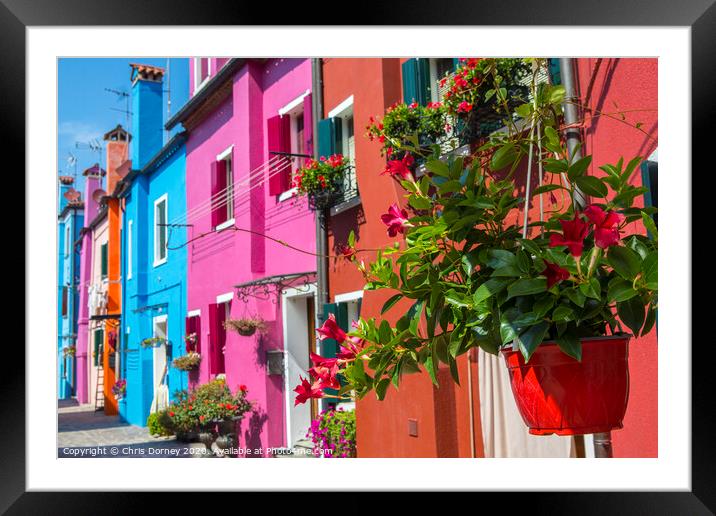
point(120, 96)
point(72, 163)
point(94, 145)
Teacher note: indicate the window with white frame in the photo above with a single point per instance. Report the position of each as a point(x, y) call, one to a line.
point(225, 189)
point(160, 230)
point(439, 69)
point(201, 72)
point(294, 110)
point(346, 140)
point(129, 248)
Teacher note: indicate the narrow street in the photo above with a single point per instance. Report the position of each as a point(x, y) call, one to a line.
point(84, 433)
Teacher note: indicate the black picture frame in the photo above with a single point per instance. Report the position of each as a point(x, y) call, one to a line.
point(16, 15)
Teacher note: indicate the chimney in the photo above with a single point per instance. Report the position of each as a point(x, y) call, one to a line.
point(117, 153)
point(147, 112)
point(93, 182)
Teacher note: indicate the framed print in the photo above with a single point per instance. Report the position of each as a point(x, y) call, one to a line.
point(423, 256)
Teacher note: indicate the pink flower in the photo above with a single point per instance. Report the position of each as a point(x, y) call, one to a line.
point(350, 348)
point(325, 372)
point(331, 330)
point(347, 251)
point(554, 273)
point(413, 105)
point(396, 220)
point(306, 391)
point(400, 168)
point(606, 232)
point(574, 233)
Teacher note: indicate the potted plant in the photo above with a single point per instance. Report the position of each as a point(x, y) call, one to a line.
point(151, 342)
point(555, 296)
point(190, 341)
point(119, 389)
point(322, 180)
point(188, 362)
point(69, 350)
point(333, 433)
point(246, 326)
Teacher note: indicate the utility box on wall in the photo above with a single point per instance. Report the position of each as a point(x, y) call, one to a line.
point(274, 361)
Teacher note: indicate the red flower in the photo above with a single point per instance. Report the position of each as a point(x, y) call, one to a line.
point(606, 232)
point(331, 330)
point(574, 233)
point(464, 107)
point(306, 391)
point(325, 373)
point(350, 348)
point(554, 273)
point(171, 413)
point(243, 388)
point(347, 251)
point(201, 418)
point(400, 168)
point(413, 105)
point(396, 220)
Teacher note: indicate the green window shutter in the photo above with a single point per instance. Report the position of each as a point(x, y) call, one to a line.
point(329, 136)
point(416, 81)
point(103, 248)
point(555, 74)
point(649, 178)
point(97, 351)
point(329, 347)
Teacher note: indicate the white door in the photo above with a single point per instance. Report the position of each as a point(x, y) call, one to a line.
point(296, 361)
point(159, 355)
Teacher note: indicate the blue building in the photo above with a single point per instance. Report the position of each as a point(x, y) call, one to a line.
point(69, 223)
point(153, 271)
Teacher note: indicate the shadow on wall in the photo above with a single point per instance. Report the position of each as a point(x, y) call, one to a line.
point(340, 226)
point(252, 435)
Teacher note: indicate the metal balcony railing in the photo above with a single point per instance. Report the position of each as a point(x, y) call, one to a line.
point(342, 195)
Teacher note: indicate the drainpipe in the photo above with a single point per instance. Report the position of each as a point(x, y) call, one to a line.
point(321, 219)
point(603, 440)
point(571, 116)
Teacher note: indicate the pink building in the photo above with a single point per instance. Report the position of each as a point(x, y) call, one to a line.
point(244, 118)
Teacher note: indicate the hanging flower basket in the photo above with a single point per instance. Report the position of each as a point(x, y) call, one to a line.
point(119, 389)
point(556, 394)
point(245, 327)
point(69, 351)
point(188, 362)
point(153, 342)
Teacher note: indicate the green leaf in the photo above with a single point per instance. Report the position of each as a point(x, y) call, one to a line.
point(570, 344)
point(497, 258)
point(352, 238)
point(591, 289)
point(438, 167)
point(556, 95)
point(631, 312)
point(551, 135)
point(650, 320)
point(591, 185)
point(390, 303)
point(527, 286)
point(575, 296)
point(381, 388)
point(505, 155)
point(528, 341)
point(490, 288)
point(578, 168)
point(453, 370)
point(547, 188)
point(563, 313)
point(431, 366)
point(624, 261)
point(650, 270)
point(620, 290)
point(650, 226)
point(419, 202)
point(385, 332)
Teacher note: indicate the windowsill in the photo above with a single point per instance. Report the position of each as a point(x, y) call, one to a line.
point(224, 225)
point(157, 263)
point(288, 194)
point(345, 205)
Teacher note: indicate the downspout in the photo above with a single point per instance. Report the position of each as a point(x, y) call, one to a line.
point(321, 219)
point(571, 118)
point(602, 440)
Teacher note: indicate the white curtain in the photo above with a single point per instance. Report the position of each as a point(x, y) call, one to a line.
point(504, 432)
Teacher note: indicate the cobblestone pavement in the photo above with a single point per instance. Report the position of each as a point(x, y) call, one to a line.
point(82, 432)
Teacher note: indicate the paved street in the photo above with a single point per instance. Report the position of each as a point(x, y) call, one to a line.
point(84, 433)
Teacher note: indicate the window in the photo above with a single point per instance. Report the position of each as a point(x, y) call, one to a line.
point(103, 260)
point(439, 68)
point(98, 347)
point(218, 313)
point(193, 325)
point(290, 133)
point(64, 301)
point(129, 249)
point(336, 135)
point(201, 72)
point(68, 238)
point(222, 190)
point(160, 230)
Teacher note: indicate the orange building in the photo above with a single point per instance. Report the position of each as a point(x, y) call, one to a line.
point(117, 166)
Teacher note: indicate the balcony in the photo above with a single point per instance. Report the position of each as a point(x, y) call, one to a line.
point(341, 197)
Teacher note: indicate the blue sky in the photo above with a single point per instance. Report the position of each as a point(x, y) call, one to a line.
point(86, 111)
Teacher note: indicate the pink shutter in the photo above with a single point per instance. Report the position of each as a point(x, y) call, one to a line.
point(285, 174)
point(188, 329)
point(308, 123)
point(274, 145)
point(215, 338)
point(196, 325)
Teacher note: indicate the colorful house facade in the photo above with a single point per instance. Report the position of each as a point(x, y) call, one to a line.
point(70, 220)
point(248, 125)
point(154, 259)
point(93, 184)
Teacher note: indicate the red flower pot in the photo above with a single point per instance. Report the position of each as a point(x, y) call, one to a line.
point(556, 394)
